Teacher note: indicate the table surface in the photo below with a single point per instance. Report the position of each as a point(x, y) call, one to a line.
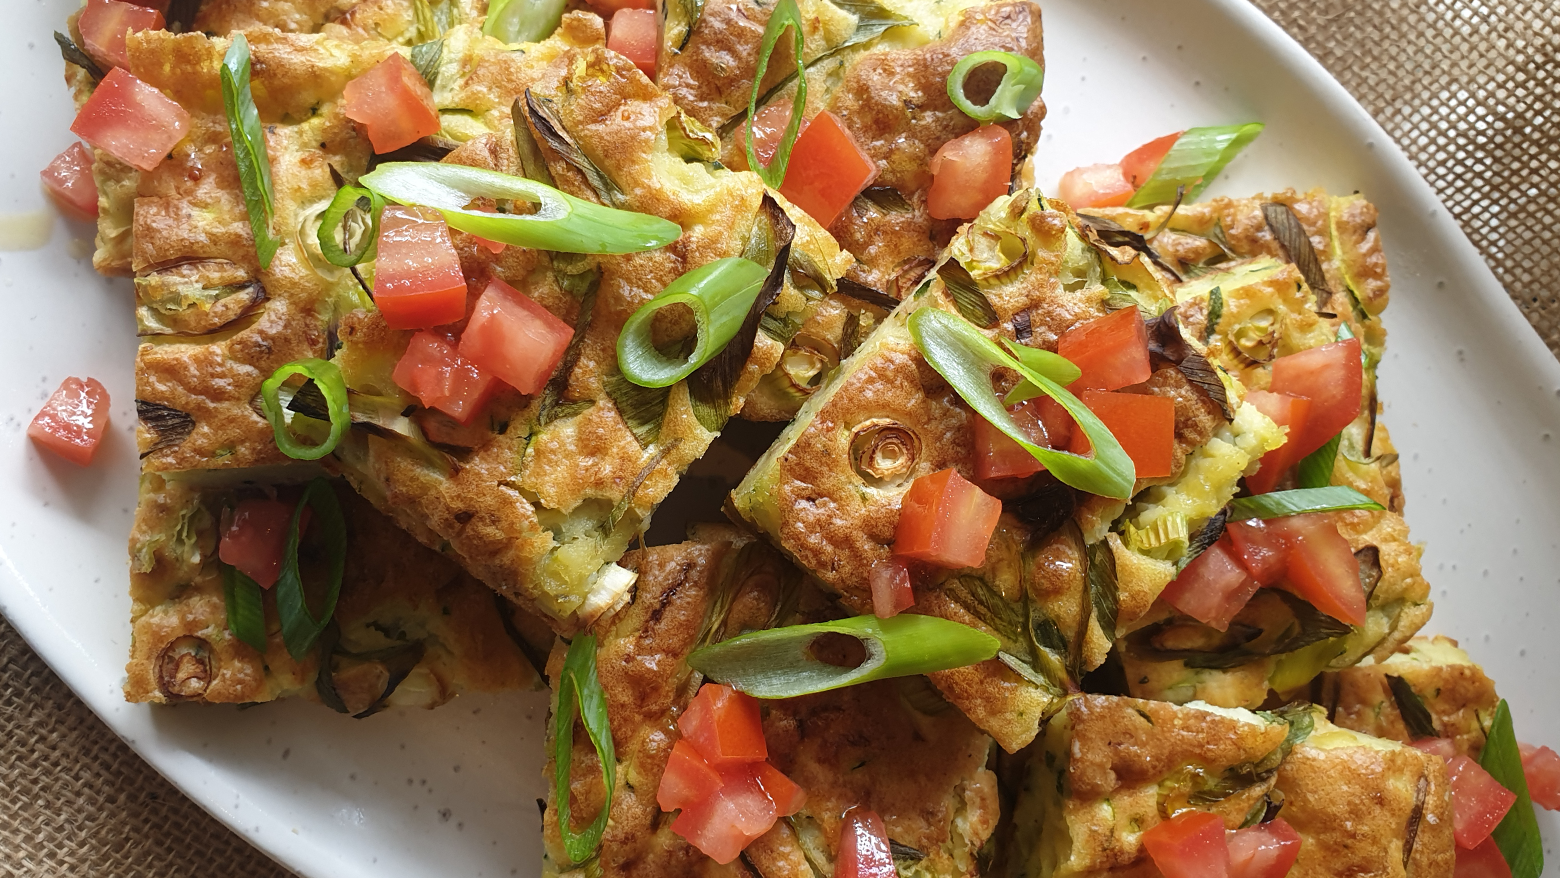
point(1462, 85)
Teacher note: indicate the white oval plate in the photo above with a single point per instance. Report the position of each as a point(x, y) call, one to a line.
point(1473, 399)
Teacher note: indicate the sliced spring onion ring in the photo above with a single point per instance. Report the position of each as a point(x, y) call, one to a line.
point(965, 357)
point(1053, 366)
point(778, 663)
point(785, 15)
point(1021, 82)
point(1315, 471)
point(580, 693)
point(326, 376)
point(523, 21)
point(349, 227)
point(245, 609)
point(1299, 501)
point(1517, 833)
point(1196, 158)
point(719, 294)
point(299, 627)
point(254, 163)
point(560, 223)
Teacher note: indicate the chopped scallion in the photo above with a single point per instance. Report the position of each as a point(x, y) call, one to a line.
point(349, 227)
point(254, 163)
point(785, 15)
point(1517, 833)
point(718, 293)
point(1021, 81)
point(523, 21)
point(1198, 156)
point(1315, 471)
point(1299, 501)
point(580, 694)
point(327, 377)
point(1053, 366)
point(299, 627)
point(245, 609)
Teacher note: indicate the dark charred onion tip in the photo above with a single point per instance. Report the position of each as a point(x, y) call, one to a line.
point(883, 452)
point(184, 668)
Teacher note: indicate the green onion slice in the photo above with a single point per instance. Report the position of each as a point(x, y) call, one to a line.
point(327, 377)
point(299, 627)
point(1191, 164)
point(719, 294)
point(349, 227)
point(1315, 471)
point(523, 21)
point(965, 357)
point(1021, 82)
point(561, 222)
point(785, 15)
point(245, 609)
point(1053, 366)
point(1517, 833)
point(1298, 502)
point(580, 693)
point(254, 163)
point(778, 663)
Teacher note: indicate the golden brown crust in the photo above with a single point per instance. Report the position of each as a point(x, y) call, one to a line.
point(1461, 699)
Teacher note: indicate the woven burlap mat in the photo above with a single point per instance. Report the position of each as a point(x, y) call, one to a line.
point(1467, 88)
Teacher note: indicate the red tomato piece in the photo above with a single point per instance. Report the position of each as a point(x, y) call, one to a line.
point(69, 182)
point(1189, 845)
point(727, 822)
point(1095, 186)
point(417, 279)
point(1541, 766)
point(1484, 861)
point(970, 172)
point(1260, 550)
point(1332, 377)
point(1321, 567)
point(1141, 163)
point(1213, 588)
point(864, 850)
point(1112, 351)
point(131, 121)
point(73, 421)
point(1057, 422)
point(393, 104)
point(946, 521)
point(433, 370)
point(1143, 424)
point(1478, 801)
point(768, 129)
point(514, 338)
point(1442, 747)
point(688, 779)
point(1267, 850)
point(1291, 412)
point(724, 726)
point(998, 457)
point(787, 795)
point(827, 169)
point(104, 25)
point(633, 34)
point(255, 539)
point(891, 590)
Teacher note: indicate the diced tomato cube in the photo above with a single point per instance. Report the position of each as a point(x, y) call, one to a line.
point(970, 172)
point(1095, 186)
point(1332, 377)
point(1213, 588)
point(433, 370)
point(1260, 550)
point(1484, 861)
point(1141, 163)
point(1189, 845)
point(946, 521)
point(1267, 850)
point(1320, 566)
point(69, 182)
point(1112, 351)
point(633, 34)
point(255, 539)
point(892, 593)
point(417, 279)
point(1479, 802)
point(724, 725)
point(1445, 748)
point(393, 104)
point(73, 421)
point(131, 121)
point(514, 338)
point(1290, 412)
point(998, 457)
point(827, 169)
point(1143, 424)
point(787, 795)
point(1057, 422)
point(864, 851)
point(727, 822)
point(687, 780)
point(768, 128)
point(1541, 766)
point(104, 24)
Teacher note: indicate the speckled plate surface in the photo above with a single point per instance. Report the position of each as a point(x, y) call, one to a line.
point(1473, 399)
